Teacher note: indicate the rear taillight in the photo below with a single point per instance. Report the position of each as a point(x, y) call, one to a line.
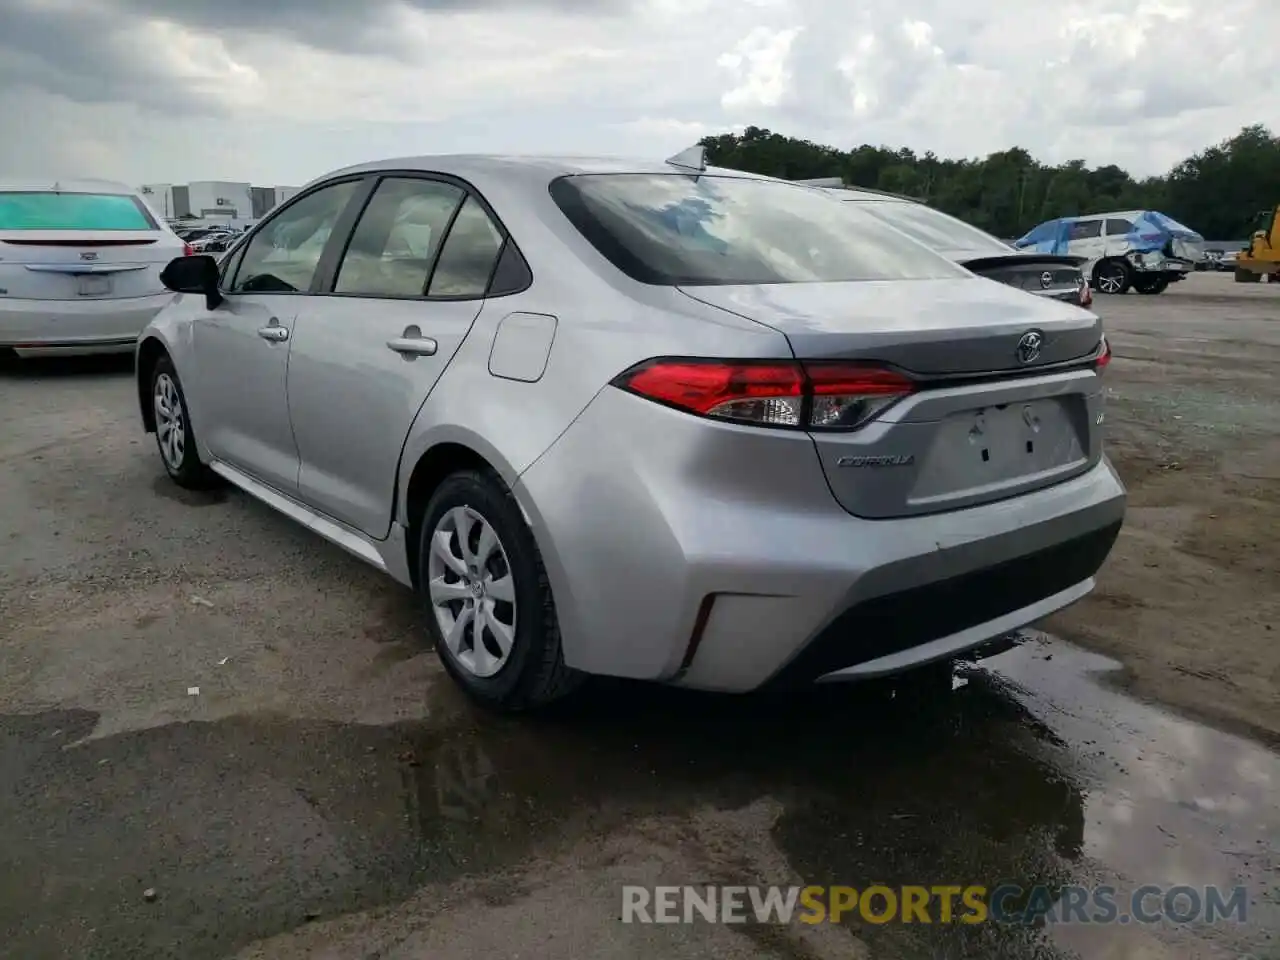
point(813, 395)
point(187, 250)
point(1104, 357)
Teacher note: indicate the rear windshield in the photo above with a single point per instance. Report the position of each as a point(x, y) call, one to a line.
point(935, 229)
point(1167, 223)
point(73, 211)
point(688, 229)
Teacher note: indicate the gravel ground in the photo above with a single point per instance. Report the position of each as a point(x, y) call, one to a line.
point(1189, 600)
point(220, 736)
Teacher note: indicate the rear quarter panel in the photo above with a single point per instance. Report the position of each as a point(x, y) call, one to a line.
point(605, 323)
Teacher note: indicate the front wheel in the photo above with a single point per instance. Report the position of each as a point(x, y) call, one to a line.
point(1112, 276)
point(174, 434)
point(1150, 284)
point(490, 609)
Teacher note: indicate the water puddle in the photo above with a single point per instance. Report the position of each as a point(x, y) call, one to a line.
point(1032, 773)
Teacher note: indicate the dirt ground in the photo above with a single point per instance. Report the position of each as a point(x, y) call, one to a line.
point(1189, 600)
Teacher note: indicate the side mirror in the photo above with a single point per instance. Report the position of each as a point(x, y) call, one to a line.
point(194, 274)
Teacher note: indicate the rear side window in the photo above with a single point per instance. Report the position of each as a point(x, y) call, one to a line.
point(469, 254)
point(73, 211)
point(689, 229)
point(1085, 229)
point(395, 242)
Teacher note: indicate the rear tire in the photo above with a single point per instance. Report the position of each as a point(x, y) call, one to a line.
point(1245, 276)
point(478, 564)
point(1112, 276)
point(175, 437)
point(1150, 285)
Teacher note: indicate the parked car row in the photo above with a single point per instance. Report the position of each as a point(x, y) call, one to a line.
point(651, 420)
point(210, 239)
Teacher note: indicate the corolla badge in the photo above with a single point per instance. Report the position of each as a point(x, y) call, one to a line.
point(88, 255)
point(1029, 346)
point(892, 460)
point(1046, 279)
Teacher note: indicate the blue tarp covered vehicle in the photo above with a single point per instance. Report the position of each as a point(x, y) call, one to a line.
point(1139, 249)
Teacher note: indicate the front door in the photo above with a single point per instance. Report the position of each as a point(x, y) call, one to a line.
point(242, 346)
point(368, 352)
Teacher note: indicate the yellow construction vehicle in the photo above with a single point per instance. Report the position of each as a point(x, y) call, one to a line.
point(1262, 257)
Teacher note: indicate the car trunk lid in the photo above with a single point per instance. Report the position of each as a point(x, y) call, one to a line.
point(987, 420)
point(1044, 274)
point(84, 264)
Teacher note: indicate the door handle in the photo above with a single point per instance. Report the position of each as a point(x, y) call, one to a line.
point(412, 344)
point(274, 332)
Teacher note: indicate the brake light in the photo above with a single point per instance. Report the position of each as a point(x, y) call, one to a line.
point(814, 395)
point(187, 249)
point(1104, 358)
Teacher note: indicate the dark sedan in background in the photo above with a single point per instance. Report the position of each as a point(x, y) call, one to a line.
point(1045, 274)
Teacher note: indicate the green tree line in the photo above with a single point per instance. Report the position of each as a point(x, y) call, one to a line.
point(1217, 192)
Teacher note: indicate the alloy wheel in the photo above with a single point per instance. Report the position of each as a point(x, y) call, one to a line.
point(1110, 278)
point(171, 429)
point(472, 591)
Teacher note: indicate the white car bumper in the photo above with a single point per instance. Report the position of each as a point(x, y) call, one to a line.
point(76, 327)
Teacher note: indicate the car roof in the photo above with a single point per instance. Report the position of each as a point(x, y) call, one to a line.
point(65, 186)
point(1113, 214)
point(468, 166)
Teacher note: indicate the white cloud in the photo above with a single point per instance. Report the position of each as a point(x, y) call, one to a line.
point(250, 90)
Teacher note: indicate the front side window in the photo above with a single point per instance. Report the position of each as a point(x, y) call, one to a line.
point(23, 210)
point(934, 229)
point(282, 256)
point(699, 229)
point(469, 254)
point(1118, 227)
point(395, 242)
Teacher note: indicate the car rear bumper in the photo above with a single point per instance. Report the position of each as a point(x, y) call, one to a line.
point(73, 327)
point(714, 556)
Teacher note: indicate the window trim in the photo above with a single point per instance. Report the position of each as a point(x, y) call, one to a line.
point(327, 271)
point(359, 196)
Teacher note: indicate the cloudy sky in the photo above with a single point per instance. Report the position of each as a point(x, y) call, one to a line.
point(279, 91)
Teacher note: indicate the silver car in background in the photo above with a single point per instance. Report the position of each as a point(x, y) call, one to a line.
point(644, 419)
point(80, 266)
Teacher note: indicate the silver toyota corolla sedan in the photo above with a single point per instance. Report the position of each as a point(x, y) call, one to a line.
point(643, 419)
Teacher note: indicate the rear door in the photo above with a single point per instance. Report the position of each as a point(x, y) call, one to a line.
point(1085, 239)
point(397, 304)
point(242, 346)
point(81, 246)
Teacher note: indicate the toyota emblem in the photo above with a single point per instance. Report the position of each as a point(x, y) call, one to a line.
point(1046, 279)
point(1029, 346)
